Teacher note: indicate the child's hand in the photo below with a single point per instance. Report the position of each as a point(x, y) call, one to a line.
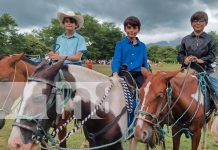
point(56, 56)
point(50, 53)
point(188, 60)
point(115, 74)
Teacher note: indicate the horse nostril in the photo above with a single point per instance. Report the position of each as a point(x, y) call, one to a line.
point(144, 135)
point(18, 146)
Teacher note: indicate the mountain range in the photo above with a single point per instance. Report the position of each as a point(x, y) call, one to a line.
point(172, 43)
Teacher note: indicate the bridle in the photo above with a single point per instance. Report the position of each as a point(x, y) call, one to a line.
point(154, 122)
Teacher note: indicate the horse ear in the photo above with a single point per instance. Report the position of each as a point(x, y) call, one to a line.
point(170, 74)
point(41, 64)
point(15, 58)
point(53, 69)
point(145, 72)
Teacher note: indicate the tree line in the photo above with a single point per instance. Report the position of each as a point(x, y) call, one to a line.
point(100, 37)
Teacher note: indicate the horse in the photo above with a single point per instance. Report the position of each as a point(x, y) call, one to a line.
point(13, 75)
point(91, 90)
point(15, 70)
point(183, 108)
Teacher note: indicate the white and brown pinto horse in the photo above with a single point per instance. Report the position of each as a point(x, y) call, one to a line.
point(15, 69)
point(185, 109)
point(107, 126)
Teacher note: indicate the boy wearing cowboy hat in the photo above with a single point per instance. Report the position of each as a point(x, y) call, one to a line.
point(70, 44)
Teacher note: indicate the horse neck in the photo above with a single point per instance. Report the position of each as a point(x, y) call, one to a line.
point(114, 102)
point(185, 90)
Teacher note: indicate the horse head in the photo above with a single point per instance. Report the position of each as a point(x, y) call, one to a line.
point(38, 109)
point(153, 95)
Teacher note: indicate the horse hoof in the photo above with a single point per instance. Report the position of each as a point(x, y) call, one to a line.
point(2, 123)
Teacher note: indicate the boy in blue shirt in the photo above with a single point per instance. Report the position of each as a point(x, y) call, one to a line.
point(70, 43)
point(131, 51)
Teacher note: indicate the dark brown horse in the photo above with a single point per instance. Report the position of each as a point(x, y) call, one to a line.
point(107, 125)
point(14, 72)
point(183, 108)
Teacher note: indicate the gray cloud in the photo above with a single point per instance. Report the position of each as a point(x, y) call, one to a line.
point(162, 16)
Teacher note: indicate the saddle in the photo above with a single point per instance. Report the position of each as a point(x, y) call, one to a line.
point(126, 75)
point(129, 86)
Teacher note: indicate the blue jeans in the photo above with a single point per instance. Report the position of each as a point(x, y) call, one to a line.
point(213, 77)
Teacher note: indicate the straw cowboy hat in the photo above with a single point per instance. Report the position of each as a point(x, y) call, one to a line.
point(70, 14)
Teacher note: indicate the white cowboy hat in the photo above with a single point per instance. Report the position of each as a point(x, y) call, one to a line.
point(70, 14)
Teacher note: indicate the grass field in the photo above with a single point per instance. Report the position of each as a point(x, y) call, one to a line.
point(77, 139)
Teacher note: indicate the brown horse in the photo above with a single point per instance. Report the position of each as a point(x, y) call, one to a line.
point(13, 76)
point(184, 110)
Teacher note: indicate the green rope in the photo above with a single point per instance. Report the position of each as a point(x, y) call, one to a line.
point(28, 118)
point(186, 130)
point(65, 86)
point(202, 82)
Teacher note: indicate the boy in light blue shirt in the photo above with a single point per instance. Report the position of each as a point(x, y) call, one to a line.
point(70, 44)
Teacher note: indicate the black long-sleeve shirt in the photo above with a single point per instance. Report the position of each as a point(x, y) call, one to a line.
point(203, 47)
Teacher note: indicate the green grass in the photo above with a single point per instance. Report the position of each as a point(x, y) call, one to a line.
point(76, 140)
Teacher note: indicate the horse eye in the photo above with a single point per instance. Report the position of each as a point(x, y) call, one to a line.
point(160, 95)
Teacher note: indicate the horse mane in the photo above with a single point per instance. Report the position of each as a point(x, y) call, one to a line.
point(91, 74)
point(26, 59)
point(40, 67)
point(3, 56)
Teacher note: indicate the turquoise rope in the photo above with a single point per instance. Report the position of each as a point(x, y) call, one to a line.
point(32, 118)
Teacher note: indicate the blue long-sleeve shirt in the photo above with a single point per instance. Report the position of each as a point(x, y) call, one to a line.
point(135, 56)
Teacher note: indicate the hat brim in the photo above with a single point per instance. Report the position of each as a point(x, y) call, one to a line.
point(78, 18)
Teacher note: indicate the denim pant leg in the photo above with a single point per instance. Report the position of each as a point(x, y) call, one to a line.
point(213, 77)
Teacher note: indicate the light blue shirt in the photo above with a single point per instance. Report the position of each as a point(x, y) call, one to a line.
point(135, 56)
point(69, 46)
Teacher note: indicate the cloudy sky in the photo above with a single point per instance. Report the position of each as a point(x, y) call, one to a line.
point(161, 19)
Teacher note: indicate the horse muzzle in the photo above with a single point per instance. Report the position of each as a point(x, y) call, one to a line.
point(143, 134)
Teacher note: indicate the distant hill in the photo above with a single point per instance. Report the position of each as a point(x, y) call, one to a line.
point(172, 43)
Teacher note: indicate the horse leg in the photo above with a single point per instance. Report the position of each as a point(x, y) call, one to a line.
point(61, 135)
point(176, 139)
point(196, 139)
point(63, 132)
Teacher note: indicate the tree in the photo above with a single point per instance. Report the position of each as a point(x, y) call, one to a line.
point(215, 36)
point(165, 54)
point(8, 29)
point(49, 34)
